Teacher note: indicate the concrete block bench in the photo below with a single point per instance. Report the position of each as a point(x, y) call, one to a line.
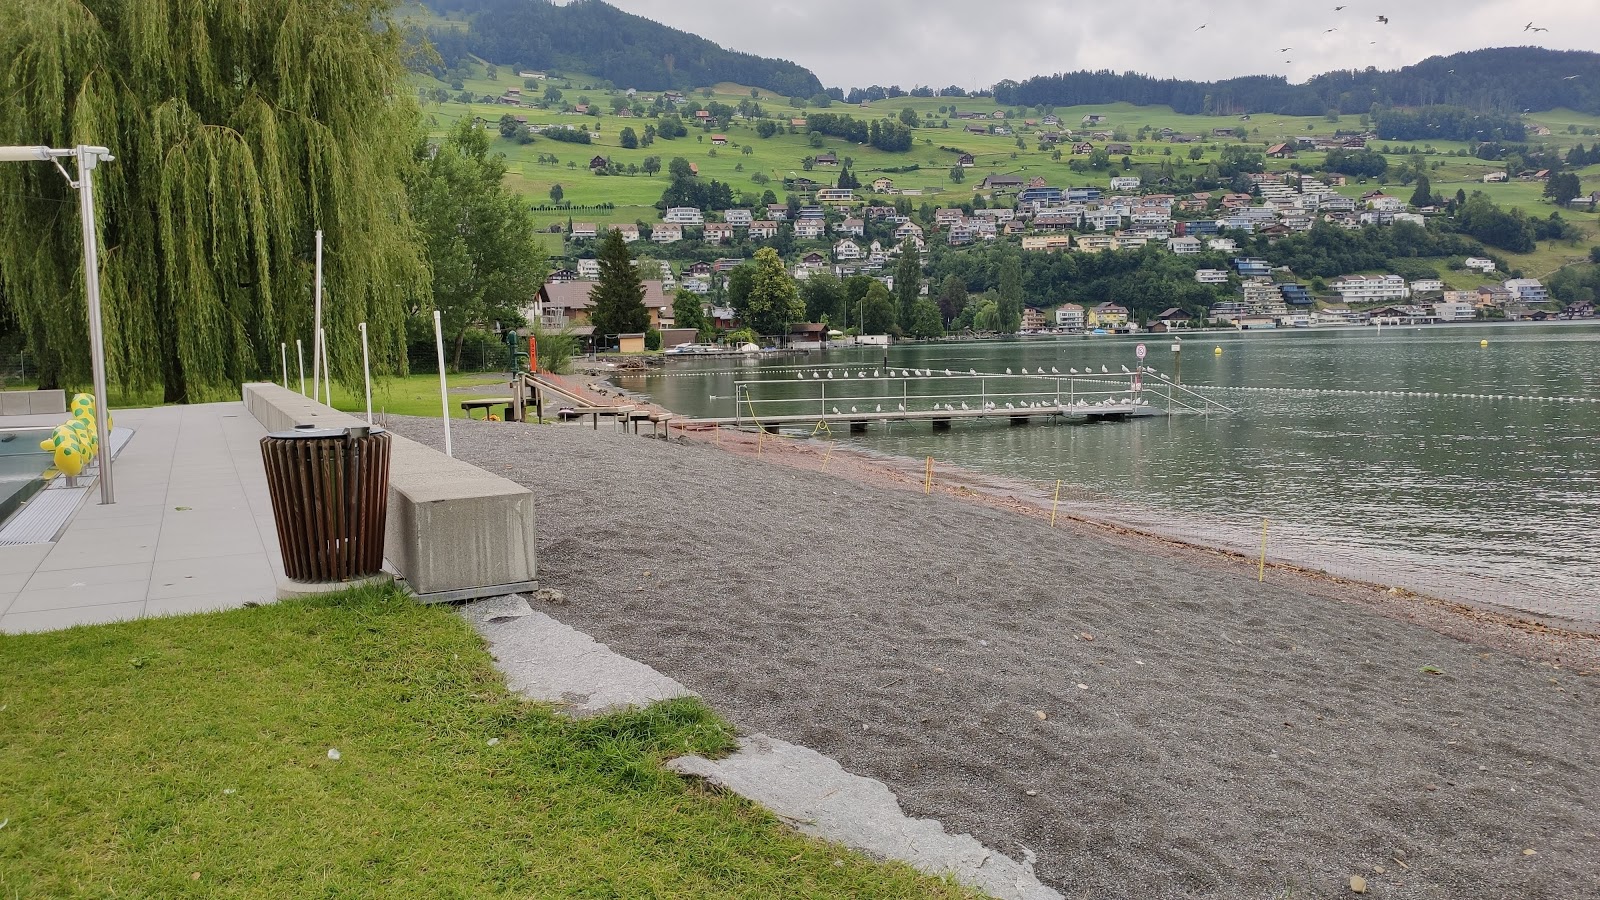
point(32, 403)
point(454, 532)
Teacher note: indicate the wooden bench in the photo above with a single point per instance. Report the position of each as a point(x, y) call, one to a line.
point(594, 413)
point(488, 403)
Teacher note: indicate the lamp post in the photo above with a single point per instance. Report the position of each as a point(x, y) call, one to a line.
point(88, 157)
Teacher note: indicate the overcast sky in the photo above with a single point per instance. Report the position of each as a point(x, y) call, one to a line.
point(978, 42)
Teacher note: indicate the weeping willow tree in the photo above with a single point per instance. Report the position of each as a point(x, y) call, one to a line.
point(240, 128)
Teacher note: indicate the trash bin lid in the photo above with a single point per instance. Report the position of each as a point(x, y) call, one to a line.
point(307, 432)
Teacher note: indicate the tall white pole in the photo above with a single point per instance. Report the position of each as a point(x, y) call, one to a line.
point(444, 389)
point(283, 351)
point(300, 355)
point(316, 324)
point(327, 370)
point(87, 158)
point(366, 370)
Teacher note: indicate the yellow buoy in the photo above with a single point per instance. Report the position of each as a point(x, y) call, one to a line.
point(1483, 343)
point(1217, 351)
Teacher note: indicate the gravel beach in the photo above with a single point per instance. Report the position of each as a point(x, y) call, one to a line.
point(1147, 724)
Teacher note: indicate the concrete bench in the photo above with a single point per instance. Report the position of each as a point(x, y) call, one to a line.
point(32, 403)
point(454, 531)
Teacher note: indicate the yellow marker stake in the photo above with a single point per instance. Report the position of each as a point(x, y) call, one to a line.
point(927, 480)
point(1055, 503)
point(1261, 571)
point(827, 456)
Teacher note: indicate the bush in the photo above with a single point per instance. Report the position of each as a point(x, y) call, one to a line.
point(652, 339)
point(556, 349)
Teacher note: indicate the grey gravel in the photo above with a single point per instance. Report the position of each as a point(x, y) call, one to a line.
point(1217, 738)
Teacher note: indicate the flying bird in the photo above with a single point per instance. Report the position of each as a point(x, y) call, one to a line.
point(1539, 29)
point(1285, 49)
point(1337, 8)
point(1383, 20)
point(1202, 26)
point(1330, 30)
point(1569, 77)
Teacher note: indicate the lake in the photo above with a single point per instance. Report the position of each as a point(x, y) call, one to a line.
point(1489, 499)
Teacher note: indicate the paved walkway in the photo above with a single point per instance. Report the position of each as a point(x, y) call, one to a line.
point(191, 530)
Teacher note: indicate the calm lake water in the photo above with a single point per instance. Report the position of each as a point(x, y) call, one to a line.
point(1482, 500)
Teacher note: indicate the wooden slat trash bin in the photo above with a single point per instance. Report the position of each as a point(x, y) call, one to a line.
point(330, 499)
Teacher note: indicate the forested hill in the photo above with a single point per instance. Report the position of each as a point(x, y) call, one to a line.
point(592, 37)
point(1502, 80)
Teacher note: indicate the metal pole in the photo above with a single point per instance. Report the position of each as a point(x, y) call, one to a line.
point(283, 351)
point(316, 321)
point(300, 357)
point(87, 157)
point(327, 378)
point(366, 370)
point(444, 388)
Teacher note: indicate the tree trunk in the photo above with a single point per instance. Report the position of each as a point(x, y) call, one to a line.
point(461, 339)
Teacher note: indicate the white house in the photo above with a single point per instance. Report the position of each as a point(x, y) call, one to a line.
point(1223, 245)
point(630, 232)
point(1124, 182)
point(1426, 286)
point(1494, 177)
point(1184, 246)
point(1454, 311)
point(810, 229)
point(739, 218)
point(1070, 316)
point(1527, 290)
point(589, 269)
point(763, 228)
point(666, 233)
point(847, 250)
point(1211, 276)
point(1371, 288)
point(1385, 203)
point(1480, 264)
point(684, 215)
point(582, 230)
point(852, 226)
point(718, 232)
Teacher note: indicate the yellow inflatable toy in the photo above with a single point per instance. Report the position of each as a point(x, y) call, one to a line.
point(75, 442)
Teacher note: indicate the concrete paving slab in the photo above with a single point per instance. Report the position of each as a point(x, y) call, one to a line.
point(816, 795)
point(104, 547)
point(61, 578)
point(213, 576)
point(52, 619)
point(76, 595)
point(23, 558)
point(547, 661)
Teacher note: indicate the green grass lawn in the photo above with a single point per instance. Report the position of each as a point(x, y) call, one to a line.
point(188, 757)
point(418, 395)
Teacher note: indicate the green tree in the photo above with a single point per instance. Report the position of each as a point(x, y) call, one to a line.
point(556, 192)
point(679, 169)
point(238, 130)
point(877, 310)
point(952, 297)
point(1423, 195)
point(687, 312)
point(508, 126)
point(478, 236)
point(1563, 188)
point(907, 283)
point(1009, 308)
point(552, 94)
point(958, 174)
point(1196, 153)
point(774, 302)
point(987, 317)
point(909, 118)
point(651, 165)
point(824, 298)
point(618, 296)
point(629, 139)
point(925, 321)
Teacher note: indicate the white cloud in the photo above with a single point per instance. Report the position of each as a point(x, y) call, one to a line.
point(942, 42)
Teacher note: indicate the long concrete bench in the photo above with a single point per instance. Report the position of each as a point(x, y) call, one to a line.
point(455, 532)
point(32, 403)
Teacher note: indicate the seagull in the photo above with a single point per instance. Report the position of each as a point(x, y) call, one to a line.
point(1383, 20)
point(1054, 371)
point(816, 374)
point(1330, 30)
point(852, 409)
point(1337, 8)
point(830, 373)
point(1024, 370)
point(879, 409)
point(900, 406)
point(964, 405)
point(1202, 26)
point(972, 371)
point(836, 411)
point(875, 374)
point(1009, 406)
point(1008, 370)
point(1072, 370)
point(1285, 49)
point(862, 373)
point(1125, 370)
point(947, 373)
point(800, 375)
point(1105, 371)
point(1570, 77)
point(1540, 29)
point(989, 405)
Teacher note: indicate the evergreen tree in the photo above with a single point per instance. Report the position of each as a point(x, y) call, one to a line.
point(907, 283)
point(1563, 187)
point(925, 321)
point(877, 310)
point(1423, 195)
point(239, 130)
point(618, 296)
point(1009, 309)
point(774, 302)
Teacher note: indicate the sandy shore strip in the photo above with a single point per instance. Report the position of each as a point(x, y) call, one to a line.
point(1147, 719)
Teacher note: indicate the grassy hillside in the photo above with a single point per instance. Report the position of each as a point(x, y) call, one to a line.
point(781, 155)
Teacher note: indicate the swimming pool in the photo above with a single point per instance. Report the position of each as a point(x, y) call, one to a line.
point(22, 464)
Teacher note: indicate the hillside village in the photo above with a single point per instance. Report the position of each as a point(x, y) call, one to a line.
point(824, 219)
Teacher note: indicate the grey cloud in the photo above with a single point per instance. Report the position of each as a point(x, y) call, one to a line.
point(942, 42)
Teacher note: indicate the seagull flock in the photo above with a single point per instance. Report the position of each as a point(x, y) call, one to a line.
point(1380, 19)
